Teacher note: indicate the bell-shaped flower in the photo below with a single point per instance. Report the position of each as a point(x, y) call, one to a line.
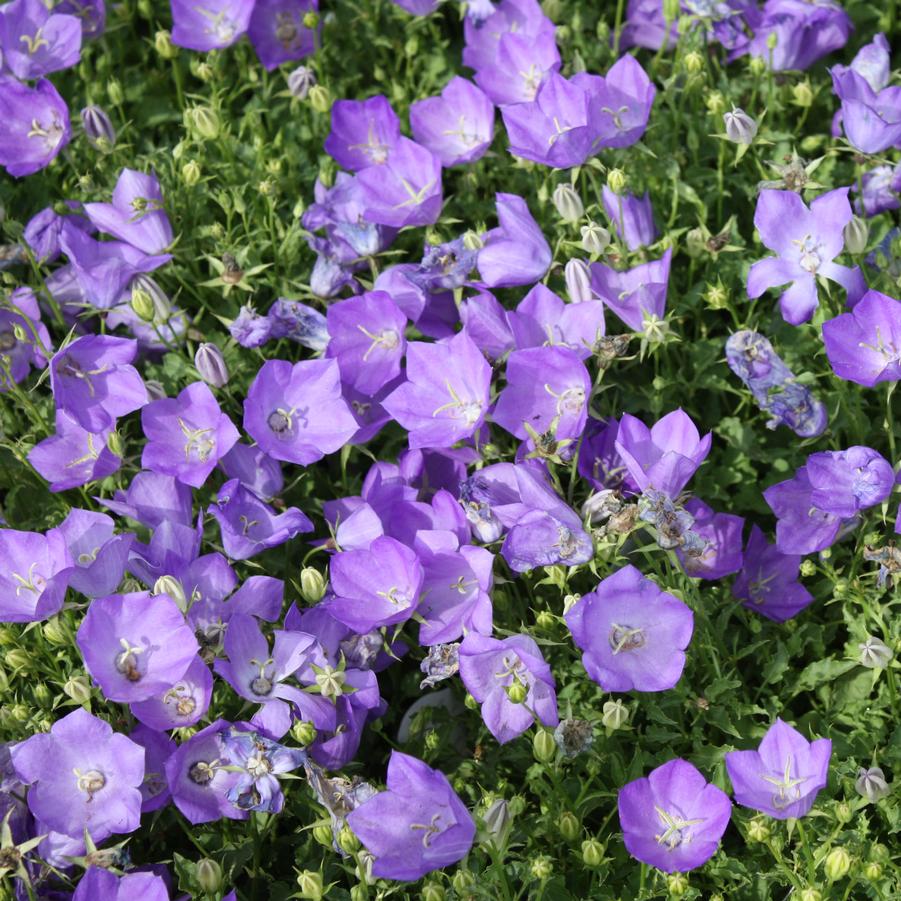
point(632, 216)
point(100, 883)
point(637, 295)
point(181, 704)
point(515, 253)
point(364, 132)
point(620, 106)
point(34, 573)
point(278, 32)
point(519, 67)
point(36, 41)
point(35, 125)
point(720, 554)
point(152, 499)
point(24, 339)
point(210, 25)
point(99, 556)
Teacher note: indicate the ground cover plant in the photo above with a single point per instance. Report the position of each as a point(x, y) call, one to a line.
point(449, 450)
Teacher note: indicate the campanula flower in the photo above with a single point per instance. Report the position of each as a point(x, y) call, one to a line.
point(36, 125)
point(278, 33)
point(36, 41)
point(364, 132)
point(210, 24)
point(99, 556)
point(516, 252)
point(180, 704)
point(637, 295)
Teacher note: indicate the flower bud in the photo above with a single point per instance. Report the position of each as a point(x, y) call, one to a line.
point(696, 242)
point(569, 826)
point(542, 867)
point(874, 653)
point(517, 692)
point(347, 841)
point(20, 713)
point(41, 694)
point(879, 852)
point(473, 240)
point(98, 129)
point(568, 203)
point(616, 181)
point(56, 632)
point(211, 365)
point(162, 42)
point(142, 304)
point(677, 884)
point(592, 852)
point(872, 871)
point(173, 588)
point(114, 443)
point(871, 784)
point(595, 239)
point(320, 99)
point(577, 276)
point(758, 830)
point(756, 66)
point(856, 234)
point(470, 702)
point(162, 306)
point(463, 882)
point(802, 95)
point(312, 585)
point(300, 81)
point(545, 621)
point(808, 568)
point(614, 714)
point(844, 812)
point(323, 835)
point(310, 883)
point(543, 746)
point(310, 19)
point(497, 820)
point(190, 173)
point(304, 733)
point(837, 864)
point(693, 62)
point(155, 389)
point(209, 875)
point(203, 121)
point(18, 658)
point(716, 103)
point(114, 92)
point(740, 127)
point(671, 10)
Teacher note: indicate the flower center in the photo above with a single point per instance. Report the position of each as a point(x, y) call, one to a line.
point(127, 661)
point(261, 684)
point(202, 772)
point(90, 782)
point(676, 832)
point(625, 638)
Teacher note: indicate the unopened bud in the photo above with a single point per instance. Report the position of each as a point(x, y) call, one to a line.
point(300, 81)
point(347, 841)
point(543, 746)
point(432, 891)
point(312, 585)
point(874, 653)
point(856, 234)
point(310, 883)
point(757, 65)
point(209, 875)
point(677, 884)
point(517, 692)
point(802, 95)
point(98, 129)
point(872, 871)
point(497, 820)
point(203, 122)
point(142, 304)
point(323, 835)
point(542, 867)
point(56, 632)
point(808, 568)
point(693, 62)
point(569, 826)
point(190, 173)
point(162, 306)
point(758, 830)
point(320, 99)
point(843, 812)
point(595, 238)
point(716, 103)
point(310, 19)
point(871, 784)
point(211, 365)
point(592, 852)
point(162, 42)
point(577, 276)
point(740, 127)
point(568, 203)
point(171, 587)
point(837, 864)
point(616, 181)
point(114, 443)
point(304, 733)
point(114, 92)
point(614, 714)
point(463, 882)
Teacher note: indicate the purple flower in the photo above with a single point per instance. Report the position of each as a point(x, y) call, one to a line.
point(187, 435)
point(632, 635)
point(158, 748)
point(377, 587)
point(260, 761)
point(405, 190)
point(673, 819)
point(721, 535)
point(646, 27)
point(21, 315)
point(277, 31)
point(200, 779)
point(36, 41)
point(768, 581)
point(637, 295)
point(665, 456)
point(486, 322)
point(416, 826)
point(94, 382)
point(43, 230)
point(153, 499)
point(82, 776)
point(864, 346)
point(260, 676)
point(98, 883)
point(249, 328)
point(296, 413)
point(91, 14)
point(783, 776)
point(599, 460)
point(511, 681)
point(367, 339)
point(518, 68)
point(255, 470)
point(806, 242)
point(135, 645)
point(136, 215)
point(879, 189)
point(180, 704)
point(294, 320)
point(36, 125)
point(547, 390)
point(620, 106)
point(249, 526)
point(99, 556)
point(522, 17)
point(869, 115)
point(632, 216)
point(211, 26)
point(446, 395)
point(34, 573)
point(515, 253)
point(802, 528)
point(457, 126)
point(444, 266)
point(364, 132)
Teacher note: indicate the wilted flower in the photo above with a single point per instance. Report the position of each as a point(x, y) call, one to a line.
point(573, 737)
point(783, 776)
point(871, 784)
point(874, 653)
point(442, 662)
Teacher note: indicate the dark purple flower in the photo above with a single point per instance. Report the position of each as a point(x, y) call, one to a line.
point(446, 395)
point(633, 635)
point(82, 776)
point(783, 776)
point(91, 14)
point(515, 253)
point(364, 132)
point(847, 481)
point(511, 681)
point(277, 31)
point(200, 779)
point(136, 215)
point(296, 413)
point(806, 242)
point(768, 581)
point(376, 587)
point(187, 435)
point(599, 460)
point(295, 320)
point(99, 556)
point(665, 456)
point(135, 645)
point(212, 26)
point(637, 295)
point(632, 216)
point(416, 826)
point(673, 819)
point(456, 126)
point(181, 704)
point(721, 535)
point(255, 470)
point(249, 526)
point(35, 41)
point(249, 328)
point(36, 125)
point(158, 747)
point(864, 346)
point(34, 573)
